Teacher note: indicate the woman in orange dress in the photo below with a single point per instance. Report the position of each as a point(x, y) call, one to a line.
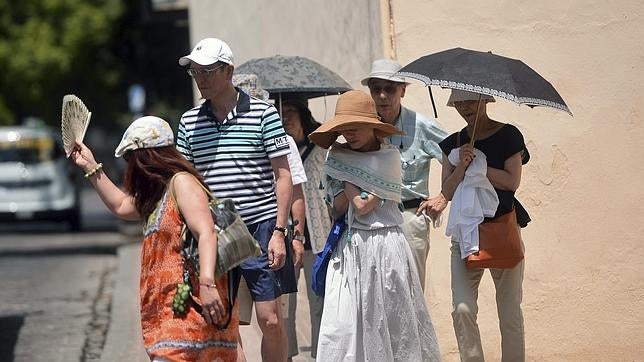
point(163, 189)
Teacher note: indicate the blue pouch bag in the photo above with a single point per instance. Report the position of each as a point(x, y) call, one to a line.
point(318, 275)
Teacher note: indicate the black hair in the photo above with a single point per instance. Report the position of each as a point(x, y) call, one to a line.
point(309, 124)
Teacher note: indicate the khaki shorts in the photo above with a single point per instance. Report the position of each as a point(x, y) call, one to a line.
point(246, 303)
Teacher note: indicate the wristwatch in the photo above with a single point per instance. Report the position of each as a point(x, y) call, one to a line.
point(280, 229)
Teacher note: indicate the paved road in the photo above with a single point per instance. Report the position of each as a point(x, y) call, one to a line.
point(124, 337)
point(74, 296)
point(53, 305)
point(56, 287)
point(252, 336)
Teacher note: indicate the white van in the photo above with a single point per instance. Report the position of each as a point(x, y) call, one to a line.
point(37, 182)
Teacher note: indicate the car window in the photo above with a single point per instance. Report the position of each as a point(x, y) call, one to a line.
point(28, 150)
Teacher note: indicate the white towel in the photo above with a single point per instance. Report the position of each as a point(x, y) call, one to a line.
point(473, 200)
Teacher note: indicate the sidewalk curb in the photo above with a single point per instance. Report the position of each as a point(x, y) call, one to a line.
point(124, 341)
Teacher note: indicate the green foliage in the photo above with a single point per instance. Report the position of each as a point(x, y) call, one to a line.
point(49, 48)
point(6, 117)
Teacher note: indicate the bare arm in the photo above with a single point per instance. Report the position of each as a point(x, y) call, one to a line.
point(298, 209)
point(283, 188)
point(193, 205)
point(432, 206)
point(298, 212)
point(192, 202)
point(509, 177)
point(453, 175)
point(283, 192)
point(119, 203)
point(340, 205)
point(362, 206)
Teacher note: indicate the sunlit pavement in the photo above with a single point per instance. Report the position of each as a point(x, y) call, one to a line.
point(103, 234)
point(252, 336)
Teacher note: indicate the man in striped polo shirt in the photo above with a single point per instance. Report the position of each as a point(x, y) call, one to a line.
point(238, 144)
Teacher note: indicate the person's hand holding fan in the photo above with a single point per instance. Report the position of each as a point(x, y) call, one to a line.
point(74, 122)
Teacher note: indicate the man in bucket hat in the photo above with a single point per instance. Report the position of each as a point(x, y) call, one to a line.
point(239, 145)
point(418, 146)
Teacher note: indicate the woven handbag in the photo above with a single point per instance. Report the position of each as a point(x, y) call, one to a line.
point(234, 242)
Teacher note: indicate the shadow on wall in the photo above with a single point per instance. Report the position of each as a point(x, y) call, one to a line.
point(9, 335)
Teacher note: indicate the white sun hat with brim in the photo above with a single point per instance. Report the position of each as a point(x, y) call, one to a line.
point(461, 95)
point(384, 69)
point(145, 132)
point(250, 84)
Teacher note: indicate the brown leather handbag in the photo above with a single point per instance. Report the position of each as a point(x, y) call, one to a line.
point(499, 244)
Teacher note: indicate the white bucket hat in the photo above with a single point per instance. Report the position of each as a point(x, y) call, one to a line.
point(384, 69)
point(209, 51)
point(145, 132)
point(461, 95)
point(250, 84)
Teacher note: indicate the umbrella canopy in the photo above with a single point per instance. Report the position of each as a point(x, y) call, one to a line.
point(293, 74)
point(485, 73)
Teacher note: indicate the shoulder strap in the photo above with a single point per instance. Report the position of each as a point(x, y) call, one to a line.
point(309, 147)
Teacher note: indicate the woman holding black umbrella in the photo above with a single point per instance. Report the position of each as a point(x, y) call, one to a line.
point(503, 147)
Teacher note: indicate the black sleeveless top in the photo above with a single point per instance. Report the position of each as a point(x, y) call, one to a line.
point(500, 146)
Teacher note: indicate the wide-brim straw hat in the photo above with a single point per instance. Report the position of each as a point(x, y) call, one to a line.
point(354, 109)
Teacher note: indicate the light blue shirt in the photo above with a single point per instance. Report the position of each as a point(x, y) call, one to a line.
point(417, 148)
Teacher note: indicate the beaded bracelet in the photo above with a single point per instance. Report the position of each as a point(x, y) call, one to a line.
point(208, 285)
point(94, 171)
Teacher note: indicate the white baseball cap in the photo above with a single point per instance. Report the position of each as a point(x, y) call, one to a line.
point(384, 69)
point(209, 51)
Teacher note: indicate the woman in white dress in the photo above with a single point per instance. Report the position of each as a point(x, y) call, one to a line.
point(374, 308)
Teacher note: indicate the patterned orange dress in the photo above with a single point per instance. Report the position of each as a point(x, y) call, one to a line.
point(167, 337)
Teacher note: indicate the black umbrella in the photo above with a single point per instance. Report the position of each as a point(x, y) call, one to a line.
point(294, 75)
point(485, 73)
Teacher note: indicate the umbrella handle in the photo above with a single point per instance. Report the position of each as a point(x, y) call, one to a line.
point(280, 104)
point(476, 121)
point(431, 98)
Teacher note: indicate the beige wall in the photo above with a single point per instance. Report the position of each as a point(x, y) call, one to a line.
point(343, 36)
point(584, 279)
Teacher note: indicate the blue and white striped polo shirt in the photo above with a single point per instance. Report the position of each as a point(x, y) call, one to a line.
point(234, 156)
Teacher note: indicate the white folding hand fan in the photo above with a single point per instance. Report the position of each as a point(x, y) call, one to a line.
point(74, 122)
